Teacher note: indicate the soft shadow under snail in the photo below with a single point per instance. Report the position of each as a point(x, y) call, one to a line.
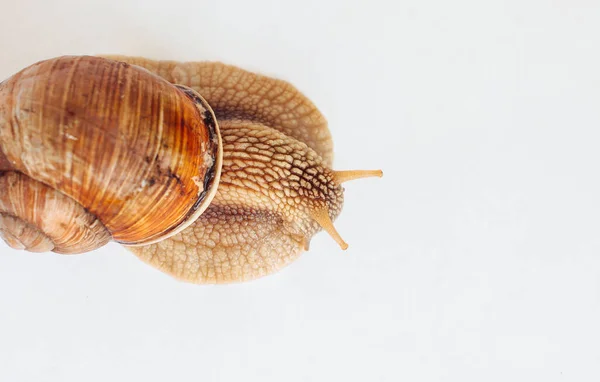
point(223, 177)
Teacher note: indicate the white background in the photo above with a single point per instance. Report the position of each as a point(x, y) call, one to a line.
point(475, 258)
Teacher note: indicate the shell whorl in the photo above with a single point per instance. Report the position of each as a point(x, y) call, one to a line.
point(38, 218)
point(114, 145)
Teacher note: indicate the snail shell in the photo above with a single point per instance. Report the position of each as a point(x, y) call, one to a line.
point(136, 158)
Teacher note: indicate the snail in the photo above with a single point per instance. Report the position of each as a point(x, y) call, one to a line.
point(208, 172)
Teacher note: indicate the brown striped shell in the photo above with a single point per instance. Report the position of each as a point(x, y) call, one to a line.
point(133, 157)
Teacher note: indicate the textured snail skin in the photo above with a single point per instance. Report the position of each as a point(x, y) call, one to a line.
point(276, 188)
point(260, 220)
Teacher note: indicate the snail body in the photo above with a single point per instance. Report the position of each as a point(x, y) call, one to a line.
point(206, 171)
